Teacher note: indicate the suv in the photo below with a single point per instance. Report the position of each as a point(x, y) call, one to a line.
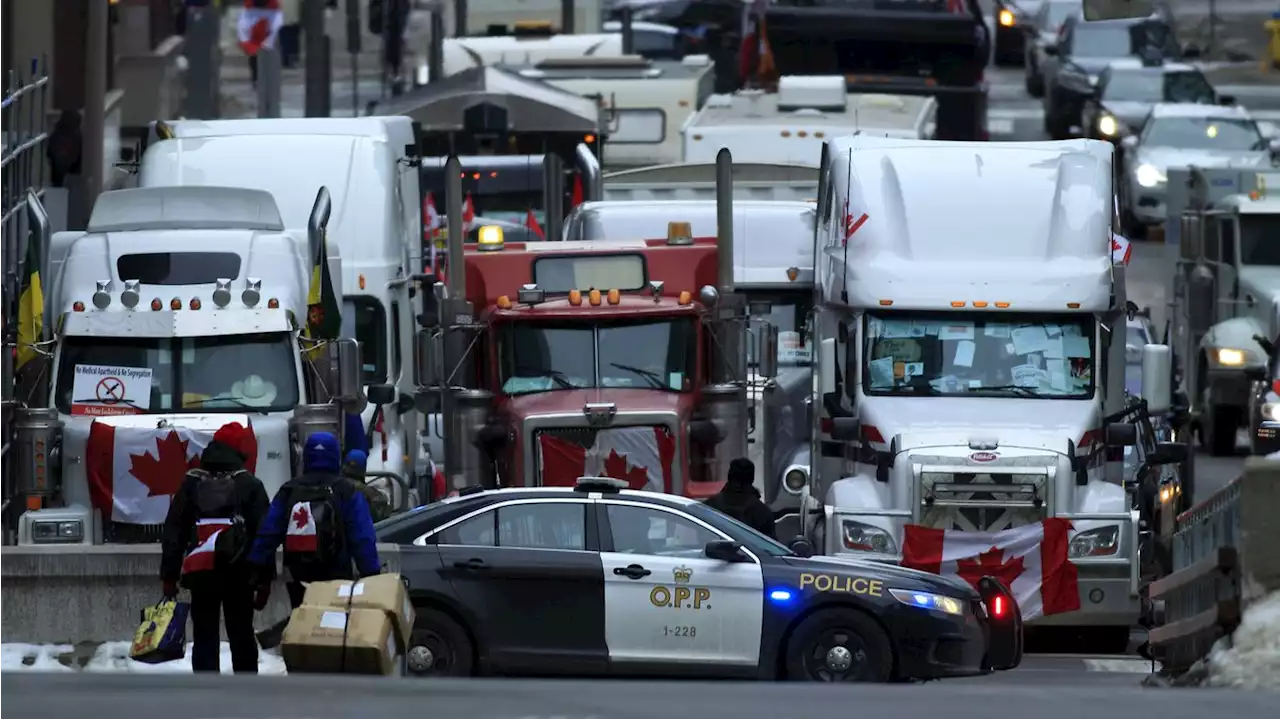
point(1084, 49)
point(1127, 90)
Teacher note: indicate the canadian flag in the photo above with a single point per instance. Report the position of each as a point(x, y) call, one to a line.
point(258, 25)
point(201, 559)
point(1121, 249)
point(468, 213)
point(301, 535)
point(531, 221)
point(134, 471)
point(1032, 561)
point(578, 195)
point(640, 455)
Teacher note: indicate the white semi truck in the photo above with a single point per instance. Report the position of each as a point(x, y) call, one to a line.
point(179, 308)
point(970, 356)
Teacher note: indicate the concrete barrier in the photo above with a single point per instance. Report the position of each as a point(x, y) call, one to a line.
point(1224, 559)
point(79, 594)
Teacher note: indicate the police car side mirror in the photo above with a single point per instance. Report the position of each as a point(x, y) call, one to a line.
point(801, 546)
point(725, 551)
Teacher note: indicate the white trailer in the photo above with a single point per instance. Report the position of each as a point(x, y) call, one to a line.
point(968, 376)
point(178, 308)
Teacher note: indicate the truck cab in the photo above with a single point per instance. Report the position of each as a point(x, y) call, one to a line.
point(176, 311)
point(368, 166)
point(969, 382)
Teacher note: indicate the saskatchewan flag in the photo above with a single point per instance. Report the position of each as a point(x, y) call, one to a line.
point(324, 315)
point(30, 304)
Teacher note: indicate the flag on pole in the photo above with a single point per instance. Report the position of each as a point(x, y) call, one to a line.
point(324, 316)
point(531, 221)
point(30, 304)
point(258, 25)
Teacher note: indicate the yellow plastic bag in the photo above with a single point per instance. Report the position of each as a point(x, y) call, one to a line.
point(162, 635)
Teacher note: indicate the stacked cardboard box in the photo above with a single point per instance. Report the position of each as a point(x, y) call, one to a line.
point(349, 627)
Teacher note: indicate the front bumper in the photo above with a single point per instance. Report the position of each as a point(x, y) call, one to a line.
point(1106, 597)
point(933, 645)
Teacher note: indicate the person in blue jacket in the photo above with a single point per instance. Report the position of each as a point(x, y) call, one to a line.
point(324, 523)
point(354, 437)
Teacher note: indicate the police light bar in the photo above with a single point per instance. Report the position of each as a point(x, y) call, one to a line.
point(600, 484)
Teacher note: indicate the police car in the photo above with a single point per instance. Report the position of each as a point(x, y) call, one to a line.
point(601, 580)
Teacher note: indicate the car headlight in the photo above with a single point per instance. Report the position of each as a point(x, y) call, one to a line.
point(927, 600)
point(1099, 542)
point(1148, 175)
point(1232, 357)
point(795, 479)
point(1107, 125)
point(865, 538)
point(57, 532)
point(1006, 18)
point(1169, 492)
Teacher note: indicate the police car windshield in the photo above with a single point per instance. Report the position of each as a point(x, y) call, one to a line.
point(224, 373)
point(550, 356)
point(1036, 356)
point(1205, 133)
point(750, 538)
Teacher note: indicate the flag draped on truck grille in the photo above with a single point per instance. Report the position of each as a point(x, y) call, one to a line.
point(133, 472)
point(1032, 561)
point(642, 456)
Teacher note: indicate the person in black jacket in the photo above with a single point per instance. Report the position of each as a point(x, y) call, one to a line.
point(741, 500)
point(212, 518)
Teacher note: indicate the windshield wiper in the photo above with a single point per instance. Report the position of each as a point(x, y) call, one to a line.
point(108, 403)
point(1015, 388)
point(653, 378)
point(238, 403)
point(555, 375)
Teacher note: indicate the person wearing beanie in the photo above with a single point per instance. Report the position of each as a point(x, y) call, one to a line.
point(355, 468)
point(221, 504)
point(741, 500)
point(322, 520)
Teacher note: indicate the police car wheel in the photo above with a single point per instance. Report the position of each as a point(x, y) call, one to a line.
point(839, 645)
point(439, 646)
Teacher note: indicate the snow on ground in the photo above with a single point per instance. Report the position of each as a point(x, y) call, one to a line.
point(1253, 660)
point(114, 657)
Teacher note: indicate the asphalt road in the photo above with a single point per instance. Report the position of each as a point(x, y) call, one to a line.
point(148, 696)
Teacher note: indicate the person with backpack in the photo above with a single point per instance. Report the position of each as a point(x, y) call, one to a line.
point(354, 468)
point(323, 521)
point(212, 518)
point(741, 500)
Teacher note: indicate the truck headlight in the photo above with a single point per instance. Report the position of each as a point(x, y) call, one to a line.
point(795, 479)
point(1100, 542)
point(927, 600)
point(1108, 126)
point(1232, 357)
point(866, 538)
point(1148, 175)
point(57, 532)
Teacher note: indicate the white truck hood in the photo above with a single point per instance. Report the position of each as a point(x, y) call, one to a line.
point(1029, 424)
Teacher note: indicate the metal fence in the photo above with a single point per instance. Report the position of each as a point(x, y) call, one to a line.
point(22, 161)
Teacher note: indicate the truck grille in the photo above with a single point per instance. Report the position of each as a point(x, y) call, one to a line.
point(981, 501)
point(563, 454)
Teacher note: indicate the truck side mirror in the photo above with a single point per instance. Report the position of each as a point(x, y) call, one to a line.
point(827, 366)
point(346, 355)
point(767, 351)
point(1121, 434)
point(845, 429)
point(1170, 453)
point(1157, 381)
point(380, 394)
point(426, 359)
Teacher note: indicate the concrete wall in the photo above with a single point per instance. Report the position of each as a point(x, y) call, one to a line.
point(68, 595)
point(1259, 543)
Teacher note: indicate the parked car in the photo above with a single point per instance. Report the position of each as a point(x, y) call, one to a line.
point(1264, 403)
point(1084, 49)
point(1128, 89)
point(1042, 30)
point(1012, 18)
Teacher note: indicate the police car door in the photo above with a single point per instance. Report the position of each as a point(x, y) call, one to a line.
point(665, 601)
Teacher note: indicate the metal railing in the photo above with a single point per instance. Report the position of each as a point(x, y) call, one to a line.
point(1201, 598)
point(22, 164)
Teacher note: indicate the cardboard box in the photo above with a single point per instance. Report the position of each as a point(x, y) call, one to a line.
point(332, 641)
point(384, 592)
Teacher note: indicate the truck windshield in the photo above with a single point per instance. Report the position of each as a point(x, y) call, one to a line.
point(1040, 356)
point(138, 375)
point(546, 356)
point(1258, 244)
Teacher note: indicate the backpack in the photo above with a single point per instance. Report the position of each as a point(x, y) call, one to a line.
point(217, 496)
point(379, 507)
point(314, 538)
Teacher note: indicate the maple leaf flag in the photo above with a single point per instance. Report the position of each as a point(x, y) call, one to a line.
point(134, 471)
point(531, 221)
point(641, 456)
point(203, 557)
point(301, 535)
point(468, 214)
point(1032, 561)
point(1121, 249)
point(258, 25)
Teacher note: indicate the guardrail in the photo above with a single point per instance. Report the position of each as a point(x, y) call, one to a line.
point(1223, 559)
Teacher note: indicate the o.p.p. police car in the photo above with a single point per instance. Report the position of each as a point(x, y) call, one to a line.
point(598, 580)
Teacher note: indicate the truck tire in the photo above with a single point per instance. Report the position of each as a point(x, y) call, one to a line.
point(439, 646)
point(839, 645)
point(1221, 435)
